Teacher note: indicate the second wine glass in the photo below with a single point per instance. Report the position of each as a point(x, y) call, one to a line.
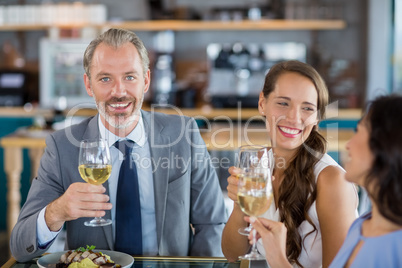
point(255, 196)
point(250, 156)
point(95, 166)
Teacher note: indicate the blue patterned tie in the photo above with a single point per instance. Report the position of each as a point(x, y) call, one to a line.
point(128, 208)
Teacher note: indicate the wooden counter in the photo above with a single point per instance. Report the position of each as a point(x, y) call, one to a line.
point(191, 25)
point(13, 166)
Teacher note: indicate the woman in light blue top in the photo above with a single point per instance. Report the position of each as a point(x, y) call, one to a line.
point(374, 162)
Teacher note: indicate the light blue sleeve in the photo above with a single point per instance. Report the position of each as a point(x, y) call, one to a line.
point(45, 236)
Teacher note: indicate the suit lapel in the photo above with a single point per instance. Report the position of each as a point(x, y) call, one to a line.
point(159, 153)
point(92, 132)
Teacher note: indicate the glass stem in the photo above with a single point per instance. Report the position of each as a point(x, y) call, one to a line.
point(254, 245)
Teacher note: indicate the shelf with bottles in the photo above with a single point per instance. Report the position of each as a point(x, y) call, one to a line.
point(180, 25)
point(190, 25)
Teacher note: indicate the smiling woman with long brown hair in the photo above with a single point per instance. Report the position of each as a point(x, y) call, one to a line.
point(312, 200)
point(375, 163)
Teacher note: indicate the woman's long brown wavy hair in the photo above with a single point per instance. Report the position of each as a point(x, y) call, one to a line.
point(298, 190)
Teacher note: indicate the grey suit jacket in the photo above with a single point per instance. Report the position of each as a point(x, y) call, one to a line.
point(189, 207)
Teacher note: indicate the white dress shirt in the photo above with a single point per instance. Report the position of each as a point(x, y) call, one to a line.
point(142, 156)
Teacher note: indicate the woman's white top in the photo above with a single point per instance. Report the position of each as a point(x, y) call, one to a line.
point(311, 254)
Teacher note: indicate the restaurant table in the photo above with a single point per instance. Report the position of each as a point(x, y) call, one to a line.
point(165, 262)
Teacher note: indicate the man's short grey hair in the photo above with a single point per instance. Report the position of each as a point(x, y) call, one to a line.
point(116, 38)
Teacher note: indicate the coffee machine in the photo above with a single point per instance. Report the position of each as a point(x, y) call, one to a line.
point(237, 71)
point(13, 88)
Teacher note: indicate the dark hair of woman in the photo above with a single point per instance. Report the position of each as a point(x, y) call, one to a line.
point(298, 189)
point(384, 181)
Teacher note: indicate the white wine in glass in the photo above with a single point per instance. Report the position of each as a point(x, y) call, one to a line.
point(95, 174)
point(95, 166)
point(255, 196)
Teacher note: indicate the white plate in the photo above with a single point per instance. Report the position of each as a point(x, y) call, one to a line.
point(50, 260)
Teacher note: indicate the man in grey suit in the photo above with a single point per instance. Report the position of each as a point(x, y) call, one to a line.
point(182, 207)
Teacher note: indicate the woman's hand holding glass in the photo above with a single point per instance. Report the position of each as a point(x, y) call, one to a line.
point(273, 236)
point(254, 192)
point(233, 183)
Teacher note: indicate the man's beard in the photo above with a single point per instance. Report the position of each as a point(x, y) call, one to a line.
point(119, 121)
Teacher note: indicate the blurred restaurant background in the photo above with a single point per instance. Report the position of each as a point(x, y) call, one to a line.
point(208, 60)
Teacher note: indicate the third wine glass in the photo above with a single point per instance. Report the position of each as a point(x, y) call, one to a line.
point(255, 195)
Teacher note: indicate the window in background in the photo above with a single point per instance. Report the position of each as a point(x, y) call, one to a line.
point(61, 74)
point(397, 65)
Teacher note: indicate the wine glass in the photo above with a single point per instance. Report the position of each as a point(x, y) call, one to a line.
point(250, 156)
point(95, 166)
point(255, 195)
